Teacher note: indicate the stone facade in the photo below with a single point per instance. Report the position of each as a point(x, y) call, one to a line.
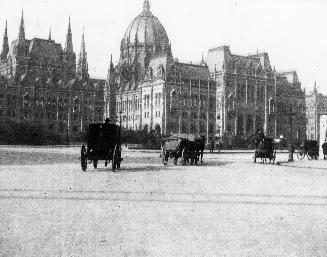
point(251, 95)
point(226, 95)
point(40, 84)
point(150, 90)
point(316, 104)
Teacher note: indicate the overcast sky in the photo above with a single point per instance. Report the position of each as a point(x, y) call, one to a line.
point(293, 32)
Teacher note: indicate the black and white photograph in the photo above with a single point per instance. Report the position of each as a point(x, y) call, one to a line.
point(151, 128)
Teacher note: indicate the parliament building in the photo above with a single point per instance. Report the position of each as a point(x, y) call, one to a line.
point(41, 84)
point(224, 95)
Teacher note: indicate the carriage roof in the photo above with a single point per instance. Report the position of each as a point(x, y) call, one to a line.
point(188, 137)
point(310, 144)
point(108, 132)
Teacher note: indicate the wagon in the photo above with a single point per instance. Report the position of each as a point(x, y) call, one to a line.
point(179, 146)
point(265, 150)
point(103, 143)
point(309, 148)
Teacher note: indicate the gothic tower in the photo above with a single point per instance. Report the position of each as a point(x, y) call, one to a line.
point(69, 55)
point(5, 46)
point(82, 65)
point(21, 38)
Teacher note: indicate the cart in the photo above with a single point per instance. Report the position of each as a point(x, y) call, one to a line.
point(265, 150)
point(103, 143)
point(179, 146)
point(309, 148)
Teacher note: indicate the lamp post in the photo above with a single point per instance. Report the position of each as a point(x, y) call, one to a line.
point(290, 149)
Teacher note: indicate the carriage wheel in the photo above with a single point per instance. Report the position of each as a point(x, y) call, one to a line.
point(95, 164)
point(113, 162)
point(184, 158)
point(83, 158)
point(310, 155)
point(300, 154)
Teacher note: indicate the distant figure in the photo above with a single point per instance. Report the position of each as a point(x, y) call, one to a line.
point(324, 149)
point(259, 137)
point(212, 146)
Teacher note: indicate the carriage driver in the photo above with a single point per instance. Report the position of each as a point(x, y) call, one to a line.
point(259, 137)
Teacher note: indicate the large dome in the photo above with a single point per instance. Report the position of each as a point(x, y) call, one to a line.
point(147, 29)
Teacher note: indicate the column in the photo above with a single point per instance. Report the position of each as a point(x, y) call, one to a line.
point(265, 126)
point(235, 122)
point(199, 107)
point(244, 124)
point(207, 114)
point(151, 110)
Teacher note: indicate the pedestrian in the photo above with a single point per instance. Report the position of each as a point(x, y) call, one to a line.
point(212, 146)
point(324, 149)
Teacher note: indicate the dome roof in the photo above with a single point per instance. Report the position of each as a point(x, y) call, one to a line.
point(146, 28)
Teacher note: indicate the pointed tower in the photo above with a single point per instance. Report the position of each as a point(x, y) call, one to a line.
point(5, 45)
point(69, 55)
point(21, 37)
point(69, 39)
point(50, 35)
point(111, 63)
point(82, 65)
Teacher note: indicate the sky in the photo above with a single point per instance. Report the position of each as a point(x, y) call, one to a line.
point(292, 32)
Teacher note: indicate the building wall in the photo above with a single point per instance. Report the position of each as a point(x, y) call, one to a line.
point(250, 95)
point(316, 104)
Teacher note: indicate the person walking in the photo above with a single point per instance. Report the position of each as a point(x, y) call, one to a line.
point(324, 149)
point(212, 146)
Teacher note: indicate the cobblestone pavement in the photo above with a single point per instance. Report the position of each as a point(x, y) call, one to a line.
point(227, 206)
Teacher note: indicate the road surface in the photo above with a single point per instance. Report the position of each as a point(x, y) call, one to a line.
point(227, 206)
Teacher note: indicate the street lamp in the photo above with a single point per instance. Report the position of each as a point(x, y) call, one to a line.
point(290, 149)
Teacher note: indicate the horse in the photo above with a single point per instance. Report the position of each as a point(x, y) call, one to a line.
point(200, 145)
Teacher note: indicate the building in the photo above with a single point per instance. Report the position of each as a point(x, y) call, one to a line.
point(316, 104)
point(251, 95)
point(151, 90)
point(41, 84)
point(226, 95)
point(322, 131)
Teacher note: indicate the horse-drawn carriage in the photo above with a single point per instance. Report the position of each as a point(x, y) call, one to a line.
point(103, 143)
point(187, 147)
point(265, 149)
point(309, 148)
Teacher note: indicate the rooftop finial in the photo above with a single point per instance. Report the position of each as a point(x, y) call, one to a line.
point(146, 5)
point(50, 34)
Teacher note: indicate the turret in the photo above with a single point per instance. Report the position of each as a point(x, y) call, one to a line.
point(82, 66)
point(50, 35)
point(69, 55)
point(69, 40)
point(5, 45)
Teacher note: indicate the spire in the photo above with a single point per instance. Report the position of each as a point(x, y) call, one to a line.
point(315, 88)
point(50, 34)
point(146, 6)
point(5, 45)
point(111, 63)
point(21, 35)
point(69, 39)
point(202, 63)
point(82, 65)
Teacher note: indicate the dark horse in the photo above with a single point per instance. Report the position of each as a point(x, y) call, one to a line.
point(200, 145)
